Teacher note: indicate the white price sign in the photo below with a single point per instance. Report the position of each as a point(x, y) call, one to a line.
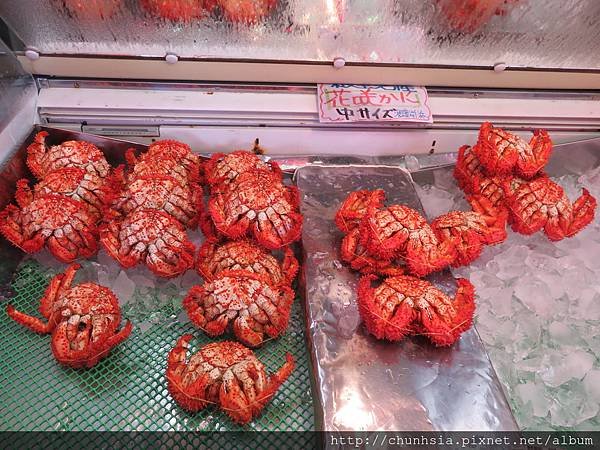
point(374, 103)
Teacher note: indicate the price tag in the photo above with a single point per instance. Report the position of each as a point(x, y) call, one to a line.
point(373, 103)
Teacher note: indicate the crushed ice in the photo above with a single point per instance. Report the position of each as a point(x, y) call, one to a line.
point(539, 312)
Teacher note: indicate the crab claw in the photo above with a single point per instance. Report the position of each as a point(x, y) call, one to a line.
point(36, 153)
point(444, 329)
point(352, 252)
point(384, 320)
point(583, 212)
point(530, 165)
point(355, 206)
point(245, 390)
point(192, 397)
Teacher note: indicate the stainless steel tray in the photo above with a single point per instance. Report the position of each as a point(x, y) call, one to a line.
point(365, 384)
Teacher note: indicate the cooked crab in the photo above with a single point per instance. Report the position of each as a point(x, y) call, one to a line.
point(401, 232)
point(171, 158)
point(225, 374)
point(149, 236)
point(246, 11)
point(541, 203)
point(255, 307)
point(180, 10)
point(93, 192)
point(472, 180)
point(355, 206)
point(60, 223)
point(223, 169)
point(469, 231)
point(43, 160)
point(357, 256)
point(258, 204)
point(467, 16)
point(83, 319)
point(214, 258)
point(162, 193)
point(502, 153)
point(403, 305)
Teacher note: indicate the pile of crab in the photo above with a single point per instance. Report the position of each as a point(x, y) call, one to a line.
point(246, 288)
point(64, 209)
point(503, 176)
point(159, 196)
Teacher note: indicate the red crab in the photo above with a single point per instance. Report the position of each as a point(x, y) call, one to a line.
point(226, 374)
point(223, 169)
point(162, 193)
point(43, 160)
point(503, 153)
point(168, 157)
point(214, 258)
point(469, 231)
point(541, 203)
point(401, 232)
point(93, 192)
point(83, 320)
point(403, 305)
point(246, 11)
point(357, 256)
point(92, 9)
point(356, 205)
point(472, 180)
point(255, 307)
point(260, 205)
point(183, 10)
point(151, 236)
point(470, 15)
point(62, 224)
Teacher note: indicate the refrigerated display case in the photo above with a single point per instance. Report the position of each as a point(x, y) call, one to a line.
point(226, 75)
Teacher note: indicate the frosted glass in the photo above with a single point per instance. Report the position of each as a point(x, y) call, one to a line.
point(521, 33)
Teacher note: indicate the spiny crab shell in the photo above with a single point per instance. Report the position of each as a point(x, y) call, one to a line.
point(403, 305)
point(225, 374)
point(162, 193)
point(246, 299)
point(42, 160)
point(83, 319)
point(472, 180)
point(401, 232)
point(214, 258)
point(542, 204)
point(151, 236)
point(502, 153)
point(60, 223)
point(259, 205)
point(223, 169)
point(94, 192)
point(170, 158)
point(357, 256)
point(469, 231)
point(355, 207)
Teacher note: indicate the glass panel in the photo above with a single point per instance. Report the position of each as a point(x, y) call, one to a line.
point(525, 33)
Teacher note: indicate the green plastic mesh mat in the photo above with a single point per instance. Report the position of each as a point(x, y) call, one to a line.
point(127, 390)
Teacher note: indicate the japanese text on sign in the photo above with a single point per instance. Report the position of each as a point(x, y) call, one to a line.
point(363, 102)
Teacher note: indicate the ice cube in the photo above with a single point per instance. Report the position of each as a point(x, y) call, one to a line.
point(571, 406)
point(534, 393)
point(481, 279)
point(586, 305)
point(554, 283)
point(189, 279)
point(123, 288)
point(560, 333)
point(558, 367)
point(444, 179)
point(107, 262)
point(591, 384)
point(536, 296)
point(502, 302)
